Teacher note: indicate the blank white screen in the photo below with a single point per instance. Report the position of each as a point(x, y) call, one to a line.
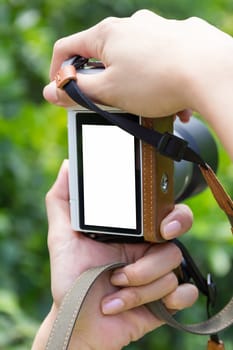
point(108, 177)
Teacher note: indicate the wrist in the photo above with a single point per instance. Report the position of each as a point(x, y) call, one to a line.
point(211, 88)
point(42, 335)
point(77, 343)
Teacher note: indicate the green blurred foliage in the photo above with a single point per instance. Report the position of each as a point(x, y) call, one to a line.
point(33, 144)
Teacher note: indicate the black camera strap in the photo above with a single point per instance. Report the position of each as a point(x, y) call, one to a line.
point(177, 149)
point(166, 144)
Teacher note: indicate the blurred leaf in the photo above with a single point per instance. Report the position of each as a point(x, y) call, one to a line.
point(33, 145)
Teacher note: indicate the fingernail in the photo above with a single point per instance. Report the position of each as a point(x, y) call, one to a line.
point(119, 279)
point(50, 92)
point(172, 229)
point(113, 306)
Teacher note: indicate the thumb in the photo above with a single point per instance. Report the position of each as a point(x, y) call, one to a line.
point(96, 86)
point(57, 199)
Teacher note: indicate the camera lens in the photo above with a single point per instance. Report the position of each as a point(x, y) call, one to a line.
point(188, 178)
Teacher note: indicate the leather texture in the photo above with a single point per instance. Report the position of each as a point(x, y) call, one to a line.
point(157, 203)
point(215, 346)
point(220, 195)
point(65, 75)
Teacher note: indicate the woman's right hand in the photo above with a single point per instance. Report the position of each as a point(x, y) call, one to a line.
point(154, 67)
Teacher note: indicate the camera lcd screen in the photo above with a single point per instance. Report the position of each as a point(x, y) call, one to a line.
point(109, 180)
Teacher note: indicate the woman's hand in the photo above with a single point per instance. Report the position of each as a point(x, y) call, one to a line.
point(155, 67)
point(114, 309)
point(151, 63)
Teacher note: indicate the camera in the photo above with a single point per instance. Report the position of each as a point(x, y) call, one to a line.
point(120, 187)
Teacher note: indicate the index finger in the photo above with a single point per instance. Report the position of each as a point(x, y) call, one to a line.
point(88, 43)
point(76, 44)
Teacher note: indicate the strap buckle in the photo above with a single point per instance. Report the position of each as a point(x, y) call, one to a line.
point(68, 70)
point(64, 75)
point(172, 146)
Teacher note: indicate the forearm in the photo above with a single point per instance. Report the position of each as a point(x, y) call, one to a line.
point(211, 87)
point(43, 333)
point(216, 107)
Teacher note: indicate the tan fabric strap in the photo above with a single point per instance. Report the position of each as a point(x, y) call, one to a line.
point(222, 198)
point(69, 311)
